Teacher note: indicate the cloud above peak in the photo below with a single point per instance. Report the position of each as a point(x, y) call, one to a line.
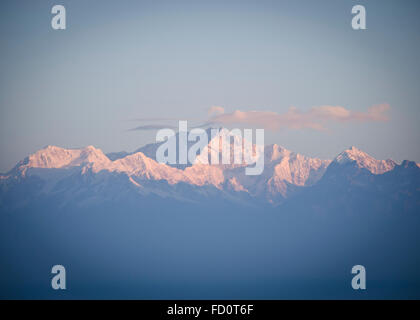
point(152, 127)
point(316, 118)
point(216, 110)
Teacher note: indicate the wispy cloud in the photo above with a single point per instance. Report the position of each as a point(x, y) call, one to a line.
point(154, 119)
point(216, 110)
point(316, 118)
point(151, 127)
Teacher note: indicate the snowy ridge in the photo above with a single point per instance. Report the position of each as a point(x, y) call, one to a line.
point(284, 171)
point(91, 159)
point(363, 160)
point(56, 157)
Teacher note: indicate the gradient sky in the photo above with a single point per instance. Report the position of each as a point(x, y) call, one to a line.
point(118, 61)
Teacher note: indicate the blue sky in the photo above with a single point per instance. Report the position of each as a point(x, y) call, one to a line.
point(118, 61)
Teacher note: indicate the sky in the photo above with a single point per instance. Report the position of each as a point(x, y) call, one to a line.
point(296, 68)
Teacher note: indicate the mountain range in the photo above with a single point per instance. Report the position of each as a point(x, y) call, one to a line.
point(56, 171)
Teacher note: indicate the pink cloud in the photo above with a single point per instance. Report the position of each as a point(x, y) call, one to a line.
point(216, 110)
point(316, 118)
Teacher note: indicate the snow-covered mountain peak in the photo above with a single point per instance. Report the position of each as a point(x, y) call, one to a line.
point(56, 157)
point(352, 154)
point(228, 145)
point(275, 152)
point(363, 160)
